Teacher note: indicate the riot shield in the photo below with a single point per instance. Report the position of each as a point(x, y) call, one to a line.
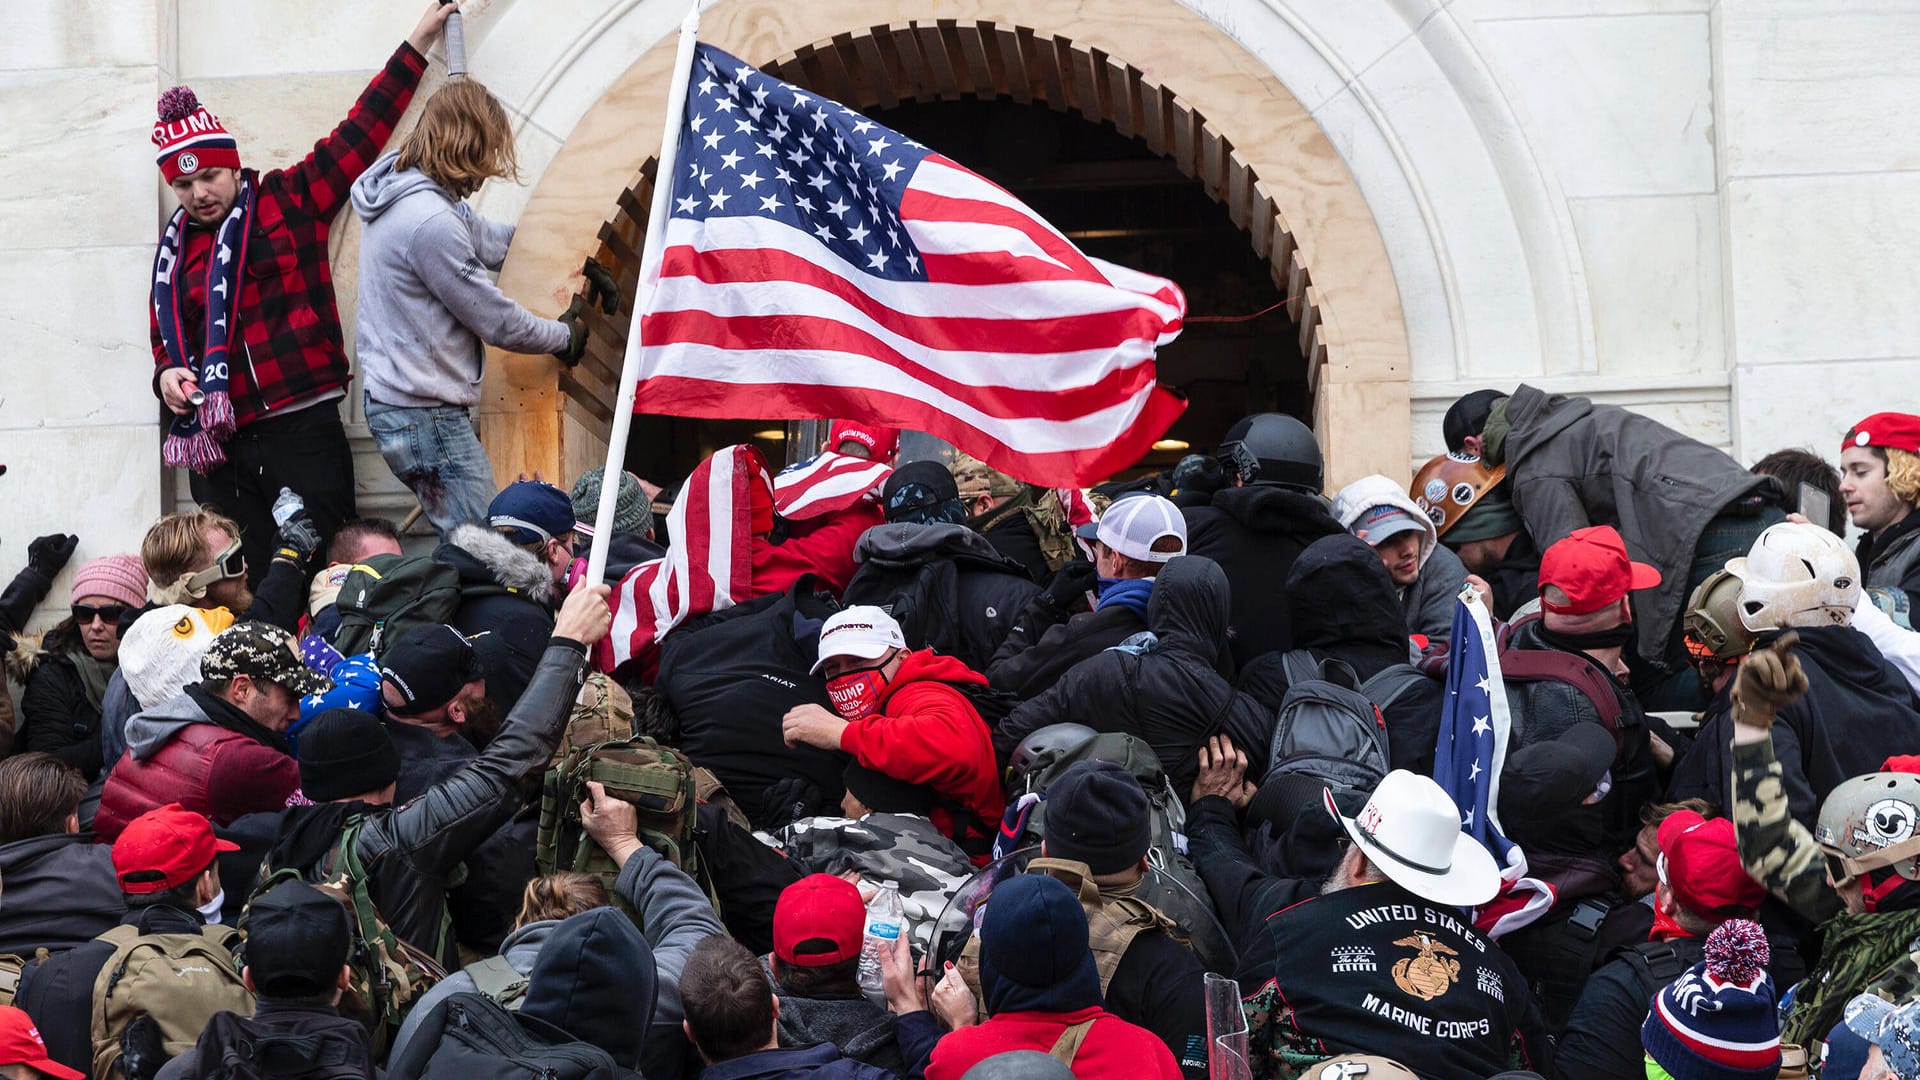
point(1226, 1031)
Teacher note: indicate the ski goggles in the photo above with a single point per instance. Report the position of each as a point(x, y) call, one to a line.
point(230, 563)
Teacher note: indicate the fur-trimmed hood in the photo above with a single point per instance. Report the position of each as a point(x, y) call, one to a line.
point(30, 650)
point(485, 557)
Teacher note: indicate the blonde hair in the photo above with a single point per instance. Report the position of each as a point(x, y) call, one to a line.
point(1903, 475)
point(558, 895)
point(176, 545)
point(463, 140)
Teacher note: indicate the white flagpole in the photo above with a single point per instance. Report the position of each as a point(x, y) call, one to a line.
point(663, 178)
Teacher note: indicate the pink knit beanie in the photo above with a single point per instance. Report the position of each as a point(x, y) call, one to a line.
point(116, 577)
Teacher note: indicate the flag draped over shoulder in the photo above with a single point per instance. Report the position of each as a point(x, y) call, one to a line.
point(708, 568)
point(1476, 724)
point(825, 485)
point(815, 263)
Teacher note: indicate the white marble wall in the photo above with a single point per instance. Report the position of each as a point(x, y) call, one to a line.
point(78, 218)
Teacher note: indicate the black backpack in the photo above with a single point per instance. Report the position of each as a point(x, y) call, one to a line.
point(473, 1037)
point(1331, 726)
point(389, 593)
point(246, 1051)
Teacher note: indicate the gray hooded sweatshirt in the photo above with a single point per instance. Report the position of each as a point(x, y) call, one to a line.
point(427, 304)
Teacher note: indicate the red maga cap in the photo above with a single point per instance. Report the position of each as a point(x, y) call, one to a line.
point(1889, 430)
point(164, 849)
point(1591, 566)
point(881, 442)
point(1703, 865)
point(818, 920)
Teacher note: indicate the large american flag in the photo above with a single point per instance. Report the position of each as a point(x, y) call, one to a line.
point(827, 484)
point(1476, 724)
point(818, 264)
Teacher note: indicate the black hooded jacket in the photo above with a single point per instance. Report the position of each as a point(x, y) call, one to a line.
point(595, 980)
point(1344, 607)
point(1172, 696)
point(1255, 533)
point(61, 891)
point(1857, 710)
point(946, 586)
point(506, 598)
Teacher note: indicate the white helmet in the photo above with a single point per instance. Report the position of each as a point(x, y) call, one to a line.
point(1797, 575)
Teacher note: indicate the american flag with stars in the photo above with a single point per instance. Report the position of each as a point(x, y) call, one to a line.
point(816, 263)
point(1476, 724)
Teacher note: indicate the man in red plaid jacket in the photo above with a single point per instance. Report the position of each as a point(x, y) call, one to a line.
point(258, 381)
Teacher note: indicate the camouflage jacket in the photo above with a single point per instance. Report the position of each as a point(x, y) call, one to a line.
point(905, 849)
point(1864, 953)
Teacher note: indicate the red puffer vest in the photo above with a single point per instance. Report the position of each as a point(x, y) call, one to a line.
point(178, 773)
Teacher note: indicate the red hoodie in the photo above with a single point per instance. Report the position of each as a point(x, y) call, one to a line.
point(929, 733)
point(1113, 1048)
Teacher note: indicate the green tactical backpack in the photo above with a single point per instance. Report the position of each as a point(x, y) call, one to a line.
point(660, 783)
point(389, 593)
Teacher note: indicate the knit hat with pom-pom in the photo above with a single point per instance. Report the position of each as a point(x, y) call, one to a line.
point(188, 138)
point(1718, 1021)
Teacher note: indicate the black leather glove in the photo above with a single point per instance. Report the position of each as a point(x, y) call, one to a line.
point(297, 540)
point(576, 346)
point(1069, 584)
point(602, 288)
point(50, 554)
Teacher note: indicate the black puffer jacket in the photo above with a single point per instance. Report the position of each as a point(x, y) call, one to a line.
point(1345, 608)
point(55, 715)
point(411, 851)
point(1856, 712)
point(60, 891)
point(1255, 533)
point(1172, 696)
point(946, 585)
point(505, 606)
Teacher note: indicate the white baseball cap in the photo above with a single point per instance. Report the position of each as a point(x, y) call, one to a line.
point(861, 631)
point(1410, 830)
point(1132, 524)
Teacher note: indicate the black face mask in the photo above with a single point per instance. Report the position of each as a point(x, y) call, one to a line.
point(1615, 638)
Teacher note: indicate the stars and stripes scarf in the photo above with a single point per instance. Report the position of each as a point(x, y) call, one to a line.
point(194, 441)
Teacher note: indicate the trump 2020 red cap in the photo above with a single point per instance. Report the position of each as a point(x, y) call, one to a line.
point(1591, 566)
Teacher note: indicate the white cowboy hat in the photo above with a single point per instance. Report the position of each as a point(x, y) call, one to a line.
point(1410, 830)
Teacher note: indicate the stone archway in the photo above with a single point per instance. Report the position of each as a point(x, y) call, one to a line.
point(1230, 124)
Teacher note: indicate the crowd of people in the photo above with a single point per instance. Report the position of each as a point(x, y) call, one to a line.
point(940, 773)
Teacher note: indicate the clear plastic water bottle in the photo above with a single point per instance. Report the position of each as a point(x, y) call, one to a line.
point(287, 506)
point(884, 919)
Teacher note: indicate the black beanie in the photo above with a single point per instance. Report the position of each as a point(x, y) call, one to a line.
point(1467, 416)
point(1097, 814)
point(886, 794)
point(345, 752)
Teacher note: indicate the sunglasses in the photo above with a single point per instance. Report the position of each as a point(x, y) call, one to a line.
point(111, 614)
point(230, 563)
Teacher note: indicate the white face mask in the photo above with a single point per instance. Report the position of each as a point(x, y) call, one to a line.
point(211, 909)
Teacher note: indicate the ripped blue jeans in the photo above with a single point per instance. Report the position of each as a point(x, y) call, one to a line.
point(435, 452)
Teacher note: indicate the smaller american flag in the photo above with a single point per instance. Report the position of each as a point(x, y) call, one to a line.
point(1476, 724)
point(825, 485)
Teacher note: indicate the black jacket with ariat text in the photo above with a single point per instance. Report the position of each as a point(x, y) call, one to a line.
point(1345, 608)
point(1255, 533)
point(412, 851)
point(1172, 695)
point(1856, 712)
point(946, 586)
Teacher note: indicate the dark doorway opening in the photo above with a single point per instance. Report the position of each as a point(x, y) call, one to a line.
point(1117, 200)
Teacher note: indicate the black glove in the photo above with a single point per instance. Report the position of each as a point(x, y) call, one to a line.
point(601, 287)
point(297, 540)
point(49, 554)
point(1069, 584)
point(576, 346)
point(787, 801)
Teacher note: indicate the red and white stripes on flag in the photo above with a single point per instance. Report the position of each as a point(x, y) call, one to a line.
point(708, 568)
point(826, 485)
point(817, 264)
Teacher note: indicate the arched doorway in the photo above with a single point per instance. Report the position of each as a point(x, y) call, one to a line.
point(909, 72)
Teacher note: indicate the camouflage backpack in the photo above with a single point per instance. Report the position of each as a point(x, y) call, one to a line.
point(388, 975)
point(658, 780)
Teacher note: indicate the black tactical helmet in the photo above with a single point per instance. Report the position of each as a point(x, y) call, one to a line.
point(1275, 449)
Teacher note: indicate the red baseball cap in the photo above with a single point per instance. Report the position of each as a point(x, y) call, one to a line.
point(881, 442)
point(818, 921)
point(1591, 566)
point(1700, 863)
point(21, 1044)
point(164, 849)
point(1891, 430)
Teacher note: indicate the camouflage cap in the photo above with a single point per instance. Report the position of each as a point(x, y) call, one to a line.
point(975, 478)
point(261, 651)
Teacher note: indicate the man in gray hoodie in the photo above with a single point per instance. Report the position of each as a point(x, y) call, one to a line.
point(428, 307)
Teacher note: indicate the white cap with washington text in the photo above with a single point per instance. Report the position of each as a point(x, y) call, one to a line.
point(861, 631)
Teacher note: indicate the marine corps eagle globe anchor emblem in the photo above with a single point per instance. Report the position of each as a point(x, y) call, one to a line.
point(1429, 974)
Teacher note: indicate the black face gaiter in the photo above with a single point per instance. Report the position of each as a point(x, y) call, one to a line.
point(1617, 637)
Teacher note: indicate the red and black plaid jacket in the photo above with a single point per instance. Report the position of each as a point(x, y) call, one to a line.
point(289, 324)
